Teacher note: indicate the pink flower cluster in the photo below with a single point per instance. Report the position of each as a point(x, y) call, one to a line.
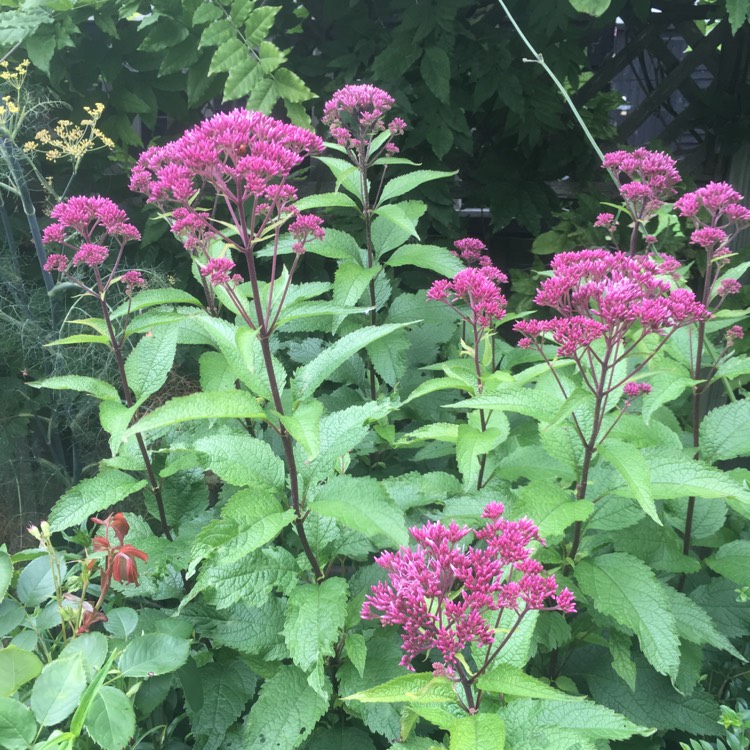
point(237, 157)
point(599, 294)
point(652, 176)
point(633, 390)
point(356, 114)
point(441, 593)
point(219, 271)
point(303, 228)
point(477, 287)
point(92, 218)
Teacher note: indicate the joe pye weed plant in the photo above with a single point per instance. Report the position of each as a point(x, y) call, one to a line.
point(332, 419)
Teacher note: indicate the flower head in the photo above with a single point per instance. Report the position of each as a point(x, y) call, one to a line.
point(93, 218)
point(132, 279)
point(218, 270)
point(734, 332)
point(56, 262)
point(713, 209)
point(606, 221)
point(445, 594)
point(91, 255)
point(633, 390)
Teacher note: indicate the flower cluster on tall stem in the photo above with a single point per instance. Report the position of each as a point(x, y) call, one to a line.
point(607, 304)
point(356, 118)
point(474, 295)
point(226, 184)
point(446, 594)
point(95, 230)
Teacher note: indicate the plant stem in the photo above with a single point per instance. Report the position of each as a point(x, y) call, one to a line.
point(367, 217)
point(466, 684)
point(117, 350)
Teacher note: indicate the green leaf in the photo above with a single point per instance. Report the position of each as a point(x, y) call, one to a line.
point(121, 622)
point(362, 504)
point(509, 680)
point(591, 7)
point(228, 55)
point(325, 200)
point(259, 23)
point(6, 573)
point(17, 725)
point(629, 462)
point(57, 690)
point(36, 583)
point(431, 257)
point(403, 184)
point(725, 432)
point(399, 217)
point(552, 508)
point(17, 667)
point(153, 297)
point(389, 357)
point(81, 383)
point(535, 724)
point(92, 648)
point(471, 444)
point(80, 338)
point(346, 174)
point(387, 236)
point(110, 721)
point(626, 589)
point(355, 649)
point(227, 687)
point(422, 687)
point(313, 621)
point(478, 732)
point(308, 378)
point(90, 496)
point(148, 365)
point(350, 283)
point(153, 654)
point(285, 713)
point(435, 68)
point(212, 405)
point(511, 398)
point(242, 460)
point(738, 12)
point(733, 561)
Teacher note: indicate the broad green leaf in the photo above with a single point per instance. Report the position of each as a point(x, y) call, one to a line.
point(115, 418)
point(631, 465)
point(57, 690)
point(153, 654)
point(17, 667)
point(313, 621)
point(325, 200)
point(422, 687)
point(229, 54)
point(626, 589)
point(346, 174)
point(92, 648)
point(725, 432)
point(110, 721)
point(361, 503)
point(430, 257)
point(389, 357)
point(350, 283)
point(734, 367)
point(399, 217)
point(739, 12)
point(478, 732)
point(304, 425)
point(121, 622)
point(194, 406)
point(355, 649)
point(342, 737)
point(152, 297)
point(733, 561)
point(80, 338)
point(285, 713)
point(336, 245)
point(403, 184)
point(81, 383)
point(242, 460)
point(521, 645)
point(435, 384)
point(552, 508)
point(17, 725)
point(309, 377)
point(435, 68)
point(513, 681)
point(227, 687)
point(387, 236)
point(147, 366)
point(473, 443)
point(520, 400)
point(90, 496)
point(259, 23)
point(36, 582)
point(591, 7)
point(6, 572)
point(534, 724)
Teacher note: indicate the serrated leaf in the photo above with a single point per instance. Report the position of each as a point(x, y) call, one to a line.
point(153, 654)
point(246, 77)
point(90, 496)
point(389, 357)
point(313, 621)
point(6, 573)
point(308, 378)
point(346, 174)
point(206, 13)
point(404, 183)
point(733, 561)
point(230, 53)
point(520, 400)
point(513, 681)
point(81, 383)
point(591, 7)
point(725, 431)
point(285, 713)
point(242, 460)
point(478, 732)
point(355, 648)
point(195, 406)
point(81, 338)
point(435, 68)
point(17, 725)
point(325, 200)
point(387, 236)
point(738, 12)
point(57, 690)
point(361, 503)
point(631, 465)
point(259, 23)
point(147, 366)
point(398, 216)
point(473, 443)
point(430, 257)
point(17, 667)
point(110, 720)
point(626, 589)
point(552, 508)
point(423, 687)
point(153, 297)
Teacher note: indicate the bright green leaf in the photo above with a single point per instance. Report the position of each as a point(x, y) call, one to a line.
point(153, 654)
point(57, 690)
point(17, 667)
point(110, 720)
